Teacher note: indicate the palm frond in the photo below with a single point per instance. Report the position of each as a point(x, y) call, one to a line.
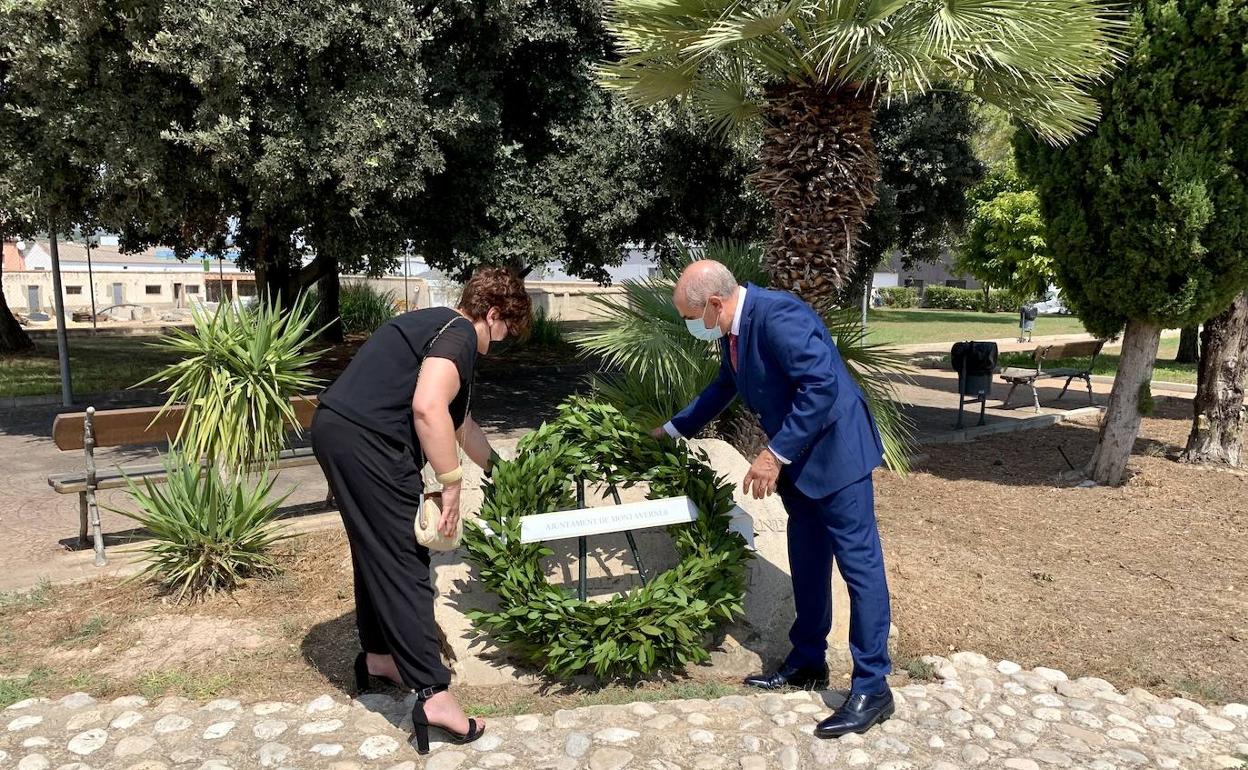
point(744, 260)
point(725, 104)
point(747, 24)
point(1055, 110)
point(647, 79)
point(1036, 60)
point(643, 334)
point(877, 370)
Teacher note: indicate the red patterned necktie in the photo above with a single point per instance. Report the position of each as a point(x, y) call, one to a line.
point(732, 350)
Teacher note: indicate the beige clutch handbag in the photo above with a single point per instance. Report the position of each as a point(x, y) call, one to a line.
point(427, 533)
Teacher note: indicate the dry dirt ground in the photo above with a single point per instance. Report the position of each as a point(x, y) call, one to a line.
point(1146, 584)
point(988, 549)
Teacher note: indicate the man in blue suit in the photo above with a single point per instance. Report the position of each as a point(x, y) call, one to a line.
point(777, 355)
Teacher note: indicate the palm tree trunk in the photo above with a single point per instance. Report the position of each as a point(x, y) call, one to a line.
point(1218, 428)
point(820, 172)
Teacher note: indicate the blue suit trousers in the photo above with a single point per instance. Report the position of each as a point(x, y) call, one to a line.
point(842, 528)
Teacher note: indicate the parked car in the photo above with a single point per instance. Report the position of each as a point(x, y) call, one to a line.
point(1052, 304)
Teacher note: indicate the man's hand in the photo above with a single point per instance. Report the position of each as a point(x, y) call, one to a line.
point(763, 475)
point(658, 433)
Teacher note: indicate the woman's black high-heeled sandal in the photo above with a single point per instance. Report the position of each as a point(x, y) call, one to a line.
point(363, 679)
point(420, 723)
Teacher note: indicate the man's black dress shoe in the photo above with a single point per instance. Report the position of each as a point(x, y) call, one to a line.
point(857, 714)
point(810, 678)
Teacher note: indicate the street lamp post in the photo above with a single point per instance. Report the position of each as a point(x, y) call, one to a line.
point(91, 284)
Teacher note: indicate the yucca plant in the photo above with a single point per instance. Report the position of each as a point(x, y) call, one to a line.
point(812, 73)
point(209, 530)
point(241, 366)
point(658, 367)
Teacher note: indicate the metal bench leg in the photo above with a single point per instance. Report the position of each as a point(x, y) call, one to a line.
point(961, 403)
point(1035, 397)
point(88, 445)
point(82, 519)
point(983, 405)
point(97, 532)
point(1088, 380)
point(1009, 395)
point(1064, 387)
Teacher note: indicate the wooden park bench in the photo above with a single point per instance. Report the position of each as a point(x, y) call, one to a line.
point(126, 428)
point(1022, 375)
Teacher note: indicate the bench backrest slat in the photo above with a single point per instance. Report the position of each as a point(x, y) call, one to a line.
point(130, 427)
point(1068, 350)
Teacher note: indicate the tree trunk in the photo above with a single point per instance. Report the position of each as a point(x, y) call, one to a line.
point(276, 281)
point(327, 314)
point(13, 338)
point(272, 261)
point(820, 172)
point(1121, 423)
point(1189, 346)
point(1218, 427)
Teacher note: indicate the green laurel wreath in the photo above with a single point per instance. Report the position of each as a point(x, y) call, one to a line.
point(662, 626)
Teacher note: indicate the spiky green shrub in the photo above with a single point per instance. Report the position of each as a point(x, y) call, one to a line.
point(544, 331)
point(241, 367)
point(209, 530)
point(364, 308)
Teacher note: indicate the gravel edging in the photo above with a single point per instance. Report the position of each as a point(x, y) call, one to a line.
point(973, 713)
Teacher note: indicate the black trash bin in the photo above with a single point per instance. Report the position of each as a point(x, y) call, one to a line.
point(974, 362)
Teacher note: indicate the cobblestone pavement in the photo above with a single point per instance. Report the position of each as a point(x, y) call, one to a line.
point(974, 714)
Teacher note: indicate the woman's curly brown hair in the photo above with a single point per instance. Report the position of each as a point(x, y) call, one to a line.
point(502, 288)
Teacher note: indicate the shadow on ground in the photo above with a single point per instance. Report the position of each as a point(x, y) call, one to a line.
point(1045, 457)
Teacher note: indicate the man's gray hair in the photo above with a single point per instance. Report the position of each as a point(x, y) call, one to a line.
point(712, 280)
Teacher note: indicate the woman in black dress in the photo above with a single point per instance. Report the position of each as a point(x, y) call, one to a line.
point(400, 403)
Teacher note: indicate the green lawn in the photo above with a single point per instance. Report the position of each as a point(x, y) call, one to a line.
point(1165, 370)
point(98, 365)
point(909, 327)
point(107, 363)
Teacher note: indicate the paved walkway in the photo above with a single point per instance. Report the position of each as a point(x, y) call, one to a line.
point(1009, 344)
point(975, 714)
point(38, 527)
point(929, 398)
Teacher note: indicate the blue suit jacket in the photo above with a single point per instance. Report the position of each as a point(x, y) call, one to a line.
point(792, 378)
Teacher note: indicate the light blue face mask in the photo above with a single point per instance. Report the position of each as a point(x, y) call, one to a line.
point(700, 331)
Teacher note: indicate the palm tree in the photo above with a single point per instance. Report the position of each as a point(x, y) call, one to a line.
point(814, 71)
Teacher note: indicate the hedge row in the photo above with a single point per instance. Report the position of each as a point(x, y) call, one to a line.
point(899, 296)
point(949, 298)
